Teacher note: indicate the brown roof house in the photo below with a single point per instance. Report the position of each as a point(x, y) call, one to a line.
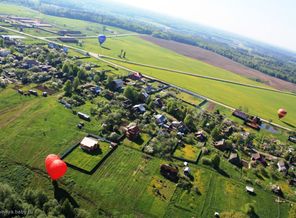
point(234, 159)
point(132, 131)
point(221, 145)
point(89, 144)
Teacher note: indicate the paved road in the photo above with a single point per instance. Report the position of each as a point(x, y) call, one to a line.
point(103, 59)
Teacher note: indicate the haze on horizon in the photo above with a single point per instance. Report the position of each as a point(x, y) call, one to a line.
point(269, 21)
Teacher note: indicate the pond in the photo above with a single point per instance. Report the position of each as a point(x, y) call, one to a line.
point(269, 128)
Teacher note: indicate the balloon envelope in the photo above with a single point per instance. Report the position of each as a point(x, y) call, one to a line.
point(282, 113)
point(102, 39)
point(57, 169)
point(49, 159)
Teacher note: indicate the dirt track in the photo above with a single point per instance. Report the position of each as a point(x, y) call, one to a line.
point(222, 62)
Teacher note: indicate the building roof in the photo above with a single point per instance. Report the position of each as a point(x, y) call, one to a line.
point(89, 142)
point(256, 156)
point(250, 189)
point(140, 107)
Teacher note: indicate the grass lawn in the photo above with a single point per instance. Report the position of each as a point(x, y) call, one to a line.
point(87, 161)
point(139, 143)
point(33, 127)
point(123, 185)
point(188, 152)
point(188, 98)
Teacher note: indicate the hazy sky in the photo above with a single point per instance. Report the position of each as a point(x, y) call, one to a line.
point(271, 21)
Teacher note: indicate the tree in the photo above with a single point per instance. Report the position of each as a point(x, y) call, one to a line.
point(81, 74)
point(68, 209)
point(188, 121)
point(1, 43)
point(66, 68)
point(131, 93)
point(68, 88)
point(216, 161)
point(76, 83)
point(292, 212)
point(216, 133)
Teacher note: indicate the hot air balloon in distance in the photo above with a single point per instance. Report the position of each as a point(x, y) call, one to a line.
point(102, 39)
point(55, 167)
point(282, 113)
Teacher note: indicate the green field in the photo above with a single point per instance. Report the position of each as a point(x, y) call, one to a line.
point(188, 98)
point(188, 152)
point(85, 161)
point(138, 143)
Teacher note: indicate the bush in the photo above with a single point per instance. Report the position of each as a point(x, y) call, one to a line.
point(206, 161)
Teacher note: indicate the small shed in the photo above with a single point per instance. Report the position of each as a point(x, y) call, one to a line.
point(250, 189)
point(83, 116)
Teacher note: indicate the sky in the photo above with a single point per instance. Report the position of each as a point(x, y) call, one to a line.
point(270, 21)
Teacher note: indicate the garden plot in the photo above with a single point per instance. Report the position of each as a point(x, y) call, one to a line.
point(88, 161)
point(187, 152)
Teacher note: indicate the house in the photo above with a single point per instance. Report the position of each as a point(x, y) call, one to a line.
point(30, 63)
point(4, 52)
point(135, 76)
point(144, 96)
point(245, 163)
point(127, 104)
point(221, 145)
point(256, 157)
point(170, 172)
point(160, 119)
point(132, 131)
point(117, 84)
point(158, 102)
point(149, 89)
point(83, 116)
point(282, 166)
point(292, 139)
point(139, 108)
point(234, 159)
point(33, 92)
point(201, 136)
point(240, 114)
point(68, 39)
point(95, 90)
point(89, 144)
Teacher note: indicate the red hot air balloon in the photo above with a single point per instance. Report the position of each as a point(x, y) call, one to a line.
point(49, 159)
point(282, 113)
point(57, 169)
